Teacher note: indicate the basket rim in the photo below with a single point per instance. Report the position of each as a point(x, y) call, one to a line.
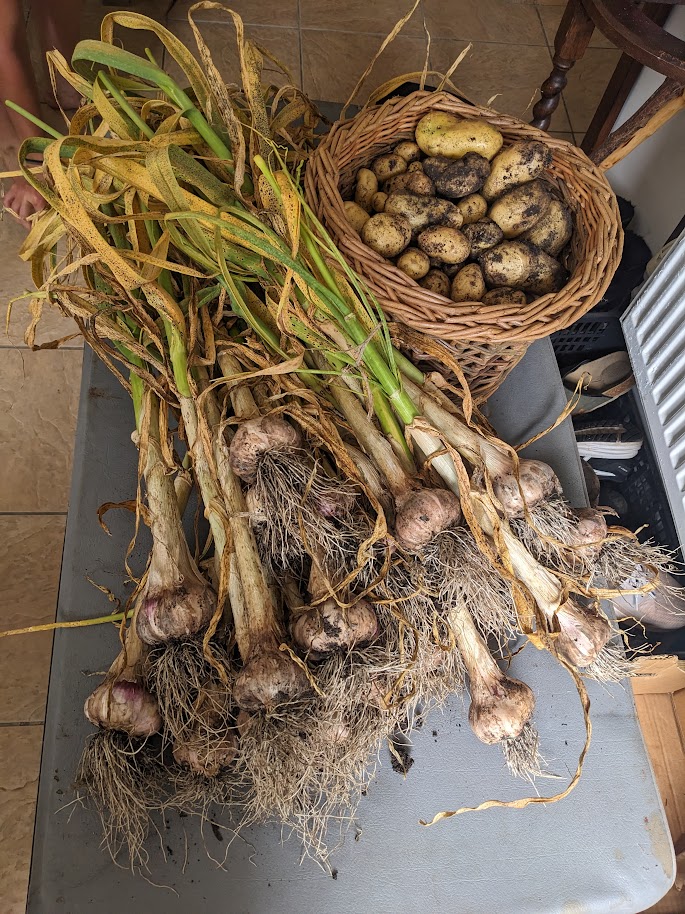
point(599, 235)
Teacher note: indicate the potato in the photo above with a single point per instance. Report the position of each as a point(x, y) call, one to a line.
point(415, 166)
point(442, 134)
point(367, 186)
point(515, 165)
point(444, 243)
point(388, 166)
point(457, 178)
point(553, 231)
point(468, 284)
point(409, 151)
point(519, 265)
point(378, 201)
point(453, 218)
point(356, 216)
point(436, 281)
point(520, 208)
point(482, 235)
point(546, 275)
point(420, 212)
point(397, 185)
point(472, 208)
point(414, 263)
point(386, 234)
point(504, 296)
point(420, 184)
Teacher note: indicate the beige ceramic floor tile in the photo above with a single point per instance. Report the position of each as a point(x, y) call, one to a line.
point(29, 570)
point(484, 20)
point(284, 44)
point(512, 73)
point(376, 18)
point(551, 16)
point(19, 763)
point(586, 84)
point(333, 62)
point(261, 12)
point(15, 279)
point(39, 394)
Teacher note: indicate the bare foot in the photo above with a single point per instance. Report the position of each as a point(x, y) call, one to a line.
point(23, 201)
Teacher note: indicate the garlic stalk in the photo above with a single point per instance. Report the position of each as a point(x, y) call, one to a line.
point(269, 676)
point(500, 706)
point(178, 602)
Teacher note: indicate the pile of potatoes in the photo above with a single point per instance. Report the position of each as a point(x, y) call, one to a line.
point(462, 216)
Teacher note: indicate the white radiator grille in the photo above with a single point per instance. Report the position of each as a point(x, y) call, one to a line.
point(654, 327)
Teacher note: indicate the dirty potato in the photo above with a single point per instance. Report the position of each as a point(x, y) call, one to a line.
point(378, 201)
point(414, 263)
point(386, 234)
point(519, 265)
point(553, 231)
point(409, 151)
point(444, 243)
point(419, 212)
point(457, 178)
point(420, 184)
point(436, 281)
point(472, 208)
point(388, 166)
point(504, 296)
point(521, 208)
point(468, 284)
point(516, 165)
point(482, 235)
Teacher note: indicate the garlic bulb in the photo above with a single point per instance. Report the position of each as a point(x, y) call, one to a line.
point(424, 514)
point(123, 704)
point(269, 678)
point(536, 482)
point(256, 437)
point(329, 627)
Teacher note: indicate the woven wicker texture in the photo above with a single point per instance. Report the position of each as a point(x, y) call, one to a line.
point(489, 340)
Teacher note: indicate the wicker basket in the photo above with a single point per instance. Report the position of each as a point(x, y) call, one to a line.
point(488, 340)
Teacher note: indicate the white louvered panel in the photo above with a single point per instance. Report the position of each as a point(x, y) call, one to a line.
point(654, 328)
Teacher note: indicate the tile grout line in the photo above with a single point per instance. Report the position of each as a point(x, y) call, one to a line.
point(23, 348)
point(33, 513)
point(299, 40)
point(21, 723)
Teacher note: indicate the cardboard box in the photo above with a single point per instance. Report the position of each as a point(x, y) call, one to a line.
point(659, 691)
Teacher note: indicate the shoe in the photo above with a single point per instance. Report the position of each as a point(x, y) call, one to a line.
point(603, 380)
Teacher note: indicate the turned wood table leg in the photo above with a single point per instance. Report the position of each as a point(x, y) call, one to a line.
point(570, 43)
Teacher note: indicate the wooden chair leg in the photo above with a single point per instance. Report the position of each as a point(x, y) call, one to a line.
point(659, 108)
point(570, 43)
point(622, 81)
